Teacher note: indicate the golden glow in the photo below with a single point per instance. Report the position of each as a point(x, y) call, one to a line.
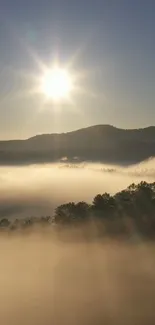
point(56, 83)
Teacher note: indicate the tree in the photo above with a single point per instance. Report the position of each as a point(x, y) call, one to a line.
point(65, 213)
point(82, 211)
point(103, 204)
point(124, 201)
point(4, 223)
point(71, 212)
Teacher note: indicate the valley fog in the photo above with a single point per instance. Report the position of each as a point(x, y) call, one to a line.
point(37, 189)
point(48, 280)
point(72, 275)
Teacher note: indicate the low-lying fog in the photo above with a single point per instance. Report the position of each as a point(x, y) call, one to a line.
point(37, 189)
point(48, 280)
point(44, 281)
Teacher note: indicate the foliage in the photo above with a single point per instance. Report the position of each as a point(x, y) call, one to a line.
point(130, 210)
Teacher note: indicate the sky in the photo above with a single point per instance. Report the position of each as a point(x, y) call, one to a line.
point(110, 43)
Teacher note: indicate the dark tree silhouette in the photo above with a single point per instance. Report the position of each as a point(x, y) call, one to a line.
point(4, 223)
point(70, 212)
point(103, 205)
point(132, 209)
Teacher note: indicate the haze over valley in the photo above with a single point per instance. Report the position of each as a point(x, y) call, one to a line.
point(77, 162)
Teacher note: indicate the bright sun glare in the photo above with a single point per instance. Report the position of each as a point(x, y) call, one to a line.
point(57, 83)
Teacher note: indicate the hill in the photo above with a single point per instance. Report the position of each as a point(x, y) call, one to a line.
point(104, 143)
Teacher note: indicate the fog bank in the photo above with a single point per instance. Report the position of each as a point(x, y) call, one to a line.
point(46, 281)
point(37, 189)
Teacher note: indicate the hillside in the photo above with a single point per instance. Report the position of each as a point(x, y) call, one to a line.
point(96, 143)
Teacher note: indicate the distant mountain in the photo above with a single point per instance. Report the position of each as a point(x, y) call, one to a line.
point(103, 143)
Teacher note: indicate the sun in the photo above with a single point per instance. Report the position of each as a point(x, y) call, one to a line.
point(57, 84)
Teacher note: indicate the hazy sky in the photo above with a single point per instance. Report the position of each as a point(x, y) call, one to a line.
point(112, 42)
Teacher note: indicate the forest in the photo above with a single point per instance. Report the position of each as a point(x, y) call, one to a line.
point(126, 213)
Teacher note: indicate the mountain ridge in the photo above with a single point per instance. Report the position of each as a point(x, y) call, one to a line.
point(151, 127)
point(104, 143)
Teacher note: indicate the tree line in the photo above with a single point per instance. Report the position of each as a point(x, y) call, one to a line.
point(131, 210)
